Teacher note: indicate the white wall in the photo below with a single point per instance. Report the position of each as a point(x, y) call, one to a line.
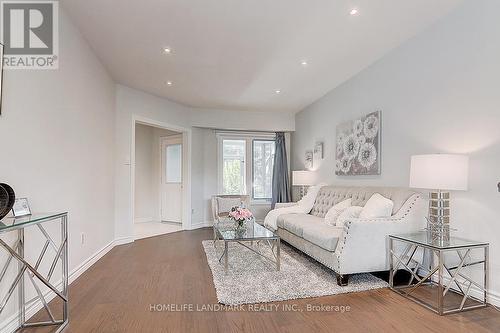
point(57, 146)
point(243, 120)
point(439, 92)
point(210, 187)
point(145, 197)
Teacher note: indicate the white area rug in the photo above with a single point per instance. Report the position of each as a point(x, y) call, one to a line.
point(252, 279)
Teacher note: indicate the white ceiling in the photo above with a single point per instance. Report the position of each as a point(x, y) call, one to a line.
point(234, 54)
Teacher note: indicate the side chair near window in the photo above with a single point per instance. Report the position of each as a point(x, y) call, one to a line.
point(222, 204)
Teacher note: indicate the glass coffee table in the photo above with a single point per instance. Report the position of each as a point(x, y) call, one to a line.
point(251, 236)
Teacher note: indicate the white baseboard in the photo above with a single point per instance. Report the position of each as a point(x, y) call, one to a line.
point(123, 240)
point(143, 219)
point(10, 324)
point(201, 225)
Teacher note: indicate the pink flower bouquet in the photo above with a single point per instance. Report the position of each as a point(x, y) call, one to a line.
point(240, 215)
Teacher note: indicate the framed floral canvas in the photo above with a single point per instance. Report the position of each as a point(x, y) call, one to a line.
point(358, 146)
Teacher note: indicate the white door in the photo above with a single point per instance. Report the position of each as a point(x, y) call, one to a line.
point(171, 178)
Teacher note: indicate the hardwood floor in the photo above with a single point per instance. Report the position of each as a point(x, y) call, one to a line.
point(116, 293)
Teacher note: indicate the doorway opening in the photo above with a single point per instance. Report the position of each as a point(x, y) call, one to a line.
point(158, 181)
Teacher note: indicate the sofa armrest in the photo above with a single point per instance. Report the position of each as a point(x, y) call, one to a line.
point(284, 204)
point(365, 242)
point(364, 246)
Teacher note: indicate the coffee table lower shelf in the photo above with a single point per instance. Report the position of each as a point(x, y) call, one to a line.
point(252, 237)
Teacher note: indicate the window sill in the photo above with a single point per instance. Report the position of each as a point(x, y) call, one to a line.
point(260, 203)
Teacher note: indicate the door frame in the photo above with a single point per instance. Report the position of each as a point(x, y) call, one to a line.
point(161, 175)
point(186, 168)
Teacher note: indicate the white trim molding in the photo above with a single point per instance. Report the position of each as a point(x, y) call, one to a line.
point(200, 225)
point(143, 219)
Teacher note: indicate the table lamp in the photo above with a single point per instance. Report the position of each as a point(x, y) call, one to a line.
point(440, 173)
point(303, 179)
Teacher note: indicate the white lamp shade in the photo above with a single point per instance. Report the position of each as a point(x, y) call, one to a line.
point(440, 172)
point(302, 178)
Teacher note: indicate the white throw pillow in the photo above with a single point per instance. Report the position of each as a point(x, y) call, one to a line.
point(350, 213)
point(377, 206)
point(334, 212)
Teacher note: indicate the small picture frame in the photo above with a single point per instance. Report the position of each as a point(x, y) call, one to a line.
point(309, 159)
point(318, 151)
point(21, 207)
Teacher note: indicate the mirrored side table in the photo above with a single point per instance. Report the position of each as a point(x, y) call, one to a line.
point(55, 249)
point(446, 276)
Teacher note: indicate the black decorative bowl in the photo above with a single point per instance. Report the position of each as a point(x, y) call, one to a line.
point(7, 198)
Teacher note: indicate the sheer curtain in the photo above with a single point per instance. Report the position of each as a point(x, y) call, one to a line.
point(281, 182)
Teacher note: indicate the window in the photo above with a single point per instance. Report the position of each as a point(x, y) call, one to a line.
point(246, 164)
point(233, 166)
point(173, 161)
point(263, 162)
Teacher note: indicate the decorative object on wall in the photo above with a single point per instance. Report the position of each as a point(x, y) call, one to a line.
point(358, 146)
point(7, 198)
point(318, 150)
point(309, 159)
point(21, 207)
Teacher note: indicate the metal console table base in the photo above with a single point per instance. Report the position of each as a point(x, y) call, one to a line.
point(16, 252)
point(447, 279)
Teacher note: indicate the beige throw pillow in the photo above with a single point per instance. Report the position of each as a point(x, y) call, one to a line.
point(350, 213)
point(334, 212)
point(377, 206)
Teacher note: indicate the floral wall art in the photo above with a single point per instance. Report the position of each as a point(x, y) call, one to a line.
point(358, 146)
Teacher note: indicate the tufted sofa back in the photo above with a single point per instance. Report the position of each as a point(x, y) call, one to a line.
point(332, 195)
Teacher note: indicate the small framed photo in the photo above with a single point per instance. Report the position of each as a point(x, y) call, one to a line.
point(21, 207)
point(309, 159)
point(318, 151)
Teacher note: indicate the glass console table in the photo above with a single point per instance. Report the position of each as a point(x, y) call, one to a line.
point(441, 270)
point(32, 270)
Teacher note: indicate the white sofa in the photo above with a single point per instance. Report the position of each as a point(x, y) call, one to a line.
point(360, 245)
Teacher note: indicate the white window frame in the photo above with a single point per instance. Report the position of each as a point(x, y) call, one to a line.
point(248, 137)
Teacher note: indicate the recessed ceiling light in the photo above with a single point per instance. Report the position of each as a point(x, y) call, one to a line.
point(167, 50)
point(304, 63)
point(278, 91)
point(354, 12)
point(169, 83)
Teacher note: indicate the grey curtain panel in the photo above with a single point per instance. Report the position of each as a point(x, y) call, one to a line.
point(281, 182)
